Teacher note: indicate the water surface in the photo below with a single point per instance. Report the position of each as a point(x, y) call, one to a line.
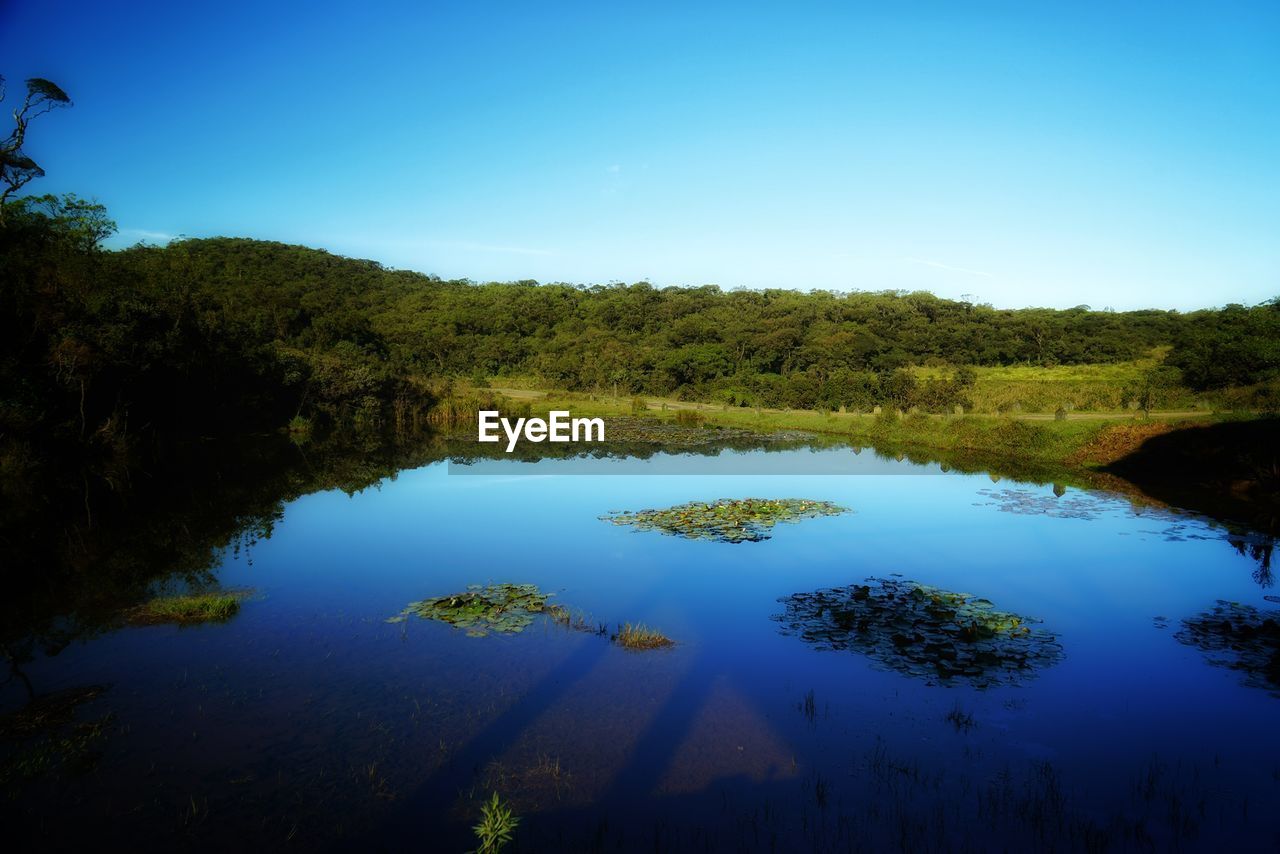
point(310, 720)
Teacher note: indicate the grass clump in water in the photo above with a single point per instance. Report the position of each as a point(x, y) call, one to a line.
point(728, 520)
point(210, 607)
point(640, 637)
point(500, 608)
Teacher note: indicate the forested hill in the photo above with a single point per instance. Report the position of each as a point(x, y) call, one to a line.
point(693, 340)
point(210, 336)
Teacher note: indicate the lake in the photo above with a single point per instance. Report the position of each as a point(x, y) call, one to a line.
point(775, 722)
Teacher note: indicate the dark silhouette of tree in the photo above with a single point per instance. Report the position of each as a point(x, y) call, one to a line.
point(16, 168)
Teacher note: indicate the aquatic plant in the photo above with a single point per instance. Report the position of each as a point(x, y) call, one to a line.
point(728, 520)
point(497, 824)
point(501, 608)
point(809, 706)
point(639, 636)
point(1239, 637)
point(529, 784)
point(208, 607)
point(578, 622)
point(922, 631)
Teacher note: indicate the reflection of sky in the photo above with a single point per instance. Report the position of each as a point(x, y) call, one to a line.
point(337, 566)
point(1097, 582)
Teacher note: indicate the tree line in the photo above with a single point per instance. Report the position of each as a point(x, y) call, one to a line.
point(218, 335)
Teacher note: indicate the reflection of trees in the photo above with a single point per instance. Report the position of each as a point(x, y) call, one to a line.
point(637, 438)
point(78, 546)
point(1258, 547)
point(1241, 638)
point(1092, 504)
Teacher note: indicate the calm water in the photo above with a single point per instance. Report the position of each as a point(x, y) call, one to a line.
point(308, 720)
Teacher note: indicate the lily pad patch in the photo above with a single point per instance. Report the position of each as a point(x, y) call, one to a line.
point(499, 608)
point(511, 608)
point(728, 520)
point(922, 631)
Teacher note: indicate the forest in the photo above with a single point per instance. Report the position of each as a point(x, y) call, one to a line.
point(206, 337)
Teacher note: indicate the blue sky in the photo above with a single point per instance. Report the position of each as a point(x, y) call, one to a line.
point(1119, 155)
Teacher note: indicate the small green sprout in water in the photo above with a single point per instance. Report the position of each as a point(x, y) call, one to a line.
point(497, 824)
point(745, 520)
point(639, 636)
point(211, 607)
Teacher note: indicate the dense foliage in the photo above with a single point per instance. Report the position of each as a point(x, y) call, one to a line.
point(109, 348)
point(772, 348)
point(1232, 347)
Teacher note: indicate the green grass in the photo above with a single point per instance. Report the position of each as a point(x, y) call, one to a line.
point(214, 607)
point(1086, 388)
point(640, 636)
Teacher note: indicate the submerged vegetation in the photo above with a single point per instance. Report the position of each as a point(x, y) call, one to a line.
point(502, 608)
point(728, 520)
point(922, 631)
point(45, 737)
point(206, 607)
point(1239, 637)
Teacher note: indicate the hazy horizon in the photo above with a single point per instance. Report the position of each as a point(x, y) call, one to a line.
point(1055, 155)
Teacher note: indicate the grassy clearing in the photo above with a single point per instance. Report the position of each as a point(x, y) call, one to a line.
point(213, 607)
point(641, 637)
point(1088, 388)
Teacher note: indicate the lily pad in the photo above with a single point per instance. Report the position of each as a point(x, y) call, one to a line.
point(1241, 638)
point(728, 520)
point(922, 631)
point(501, 608)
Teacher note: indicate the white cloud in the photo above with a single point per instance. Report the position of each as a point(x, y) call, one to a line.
point(148, 236)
